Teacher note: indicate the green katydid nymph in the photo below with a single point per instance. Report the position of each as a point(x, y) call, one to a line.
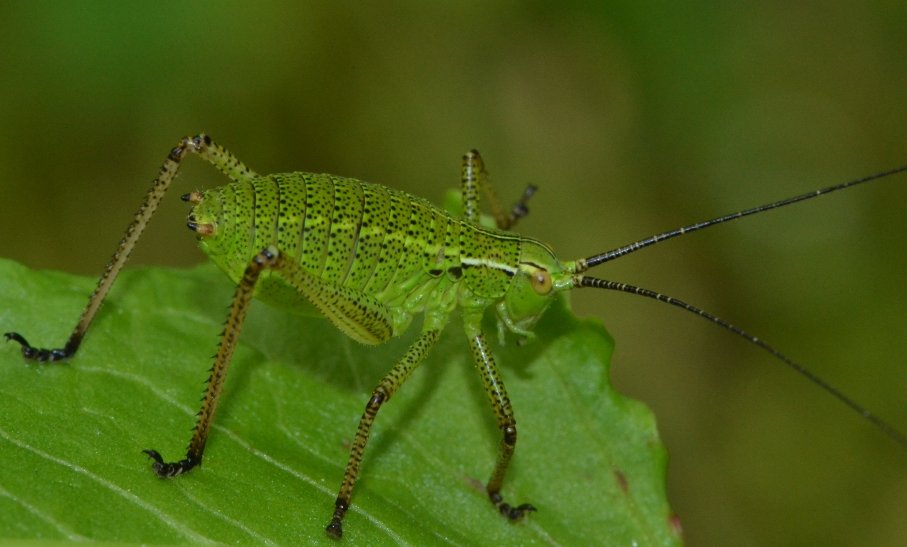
point(370, 259)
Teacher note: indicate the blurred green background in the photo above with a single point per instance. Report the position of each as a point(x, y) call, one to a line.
point(632, 117)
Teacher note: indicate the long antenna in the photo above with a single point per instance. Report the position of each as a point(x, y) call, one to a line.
point(586, 263)
point(883, 426)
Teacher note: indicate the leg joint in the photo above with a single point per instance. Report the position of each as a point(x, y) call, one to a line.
point(378, 398)
point(510, 435)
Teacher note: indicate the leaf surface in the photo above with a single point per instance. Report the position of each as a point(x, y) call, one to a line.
point(71, 434)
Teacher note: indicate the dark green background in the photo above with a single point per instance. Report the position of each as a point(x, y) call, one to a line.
point(632, 118)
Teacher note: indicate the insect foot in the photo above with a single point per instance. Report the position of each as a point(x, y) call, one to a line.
point(509, 511)
point(334, 529)
point(167, 470)
point(37, 354)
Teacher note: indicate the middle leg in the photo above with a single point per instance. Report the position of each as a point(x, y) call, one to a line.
point(382, 393)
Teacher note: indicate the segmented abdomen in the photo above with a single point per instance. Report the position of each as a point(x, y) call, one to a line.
point(364, 236)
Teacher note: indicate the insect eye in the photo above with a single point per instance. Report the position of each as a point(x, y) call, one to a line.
point(541, 281)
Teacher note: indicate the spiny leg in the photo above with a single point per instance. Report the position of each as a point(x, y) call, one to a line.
point(201, 145)
point(500, 402)
point(356, 314)
point(473, 179)
point(362, 317)
point(382, 393)
point(232, 327)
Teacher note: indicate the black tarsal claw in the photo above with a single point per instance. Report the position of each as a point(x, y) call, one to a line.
point(17, 337)
point(165, 470)
point(334, 529)
point(33, 353)
point(515, 513)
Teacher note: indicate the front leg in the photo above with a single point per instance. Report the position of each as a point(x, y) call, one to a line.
point(500, 402)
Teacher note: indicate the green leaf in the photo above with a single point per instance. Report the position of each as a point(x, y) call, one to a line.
point(71, 434)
